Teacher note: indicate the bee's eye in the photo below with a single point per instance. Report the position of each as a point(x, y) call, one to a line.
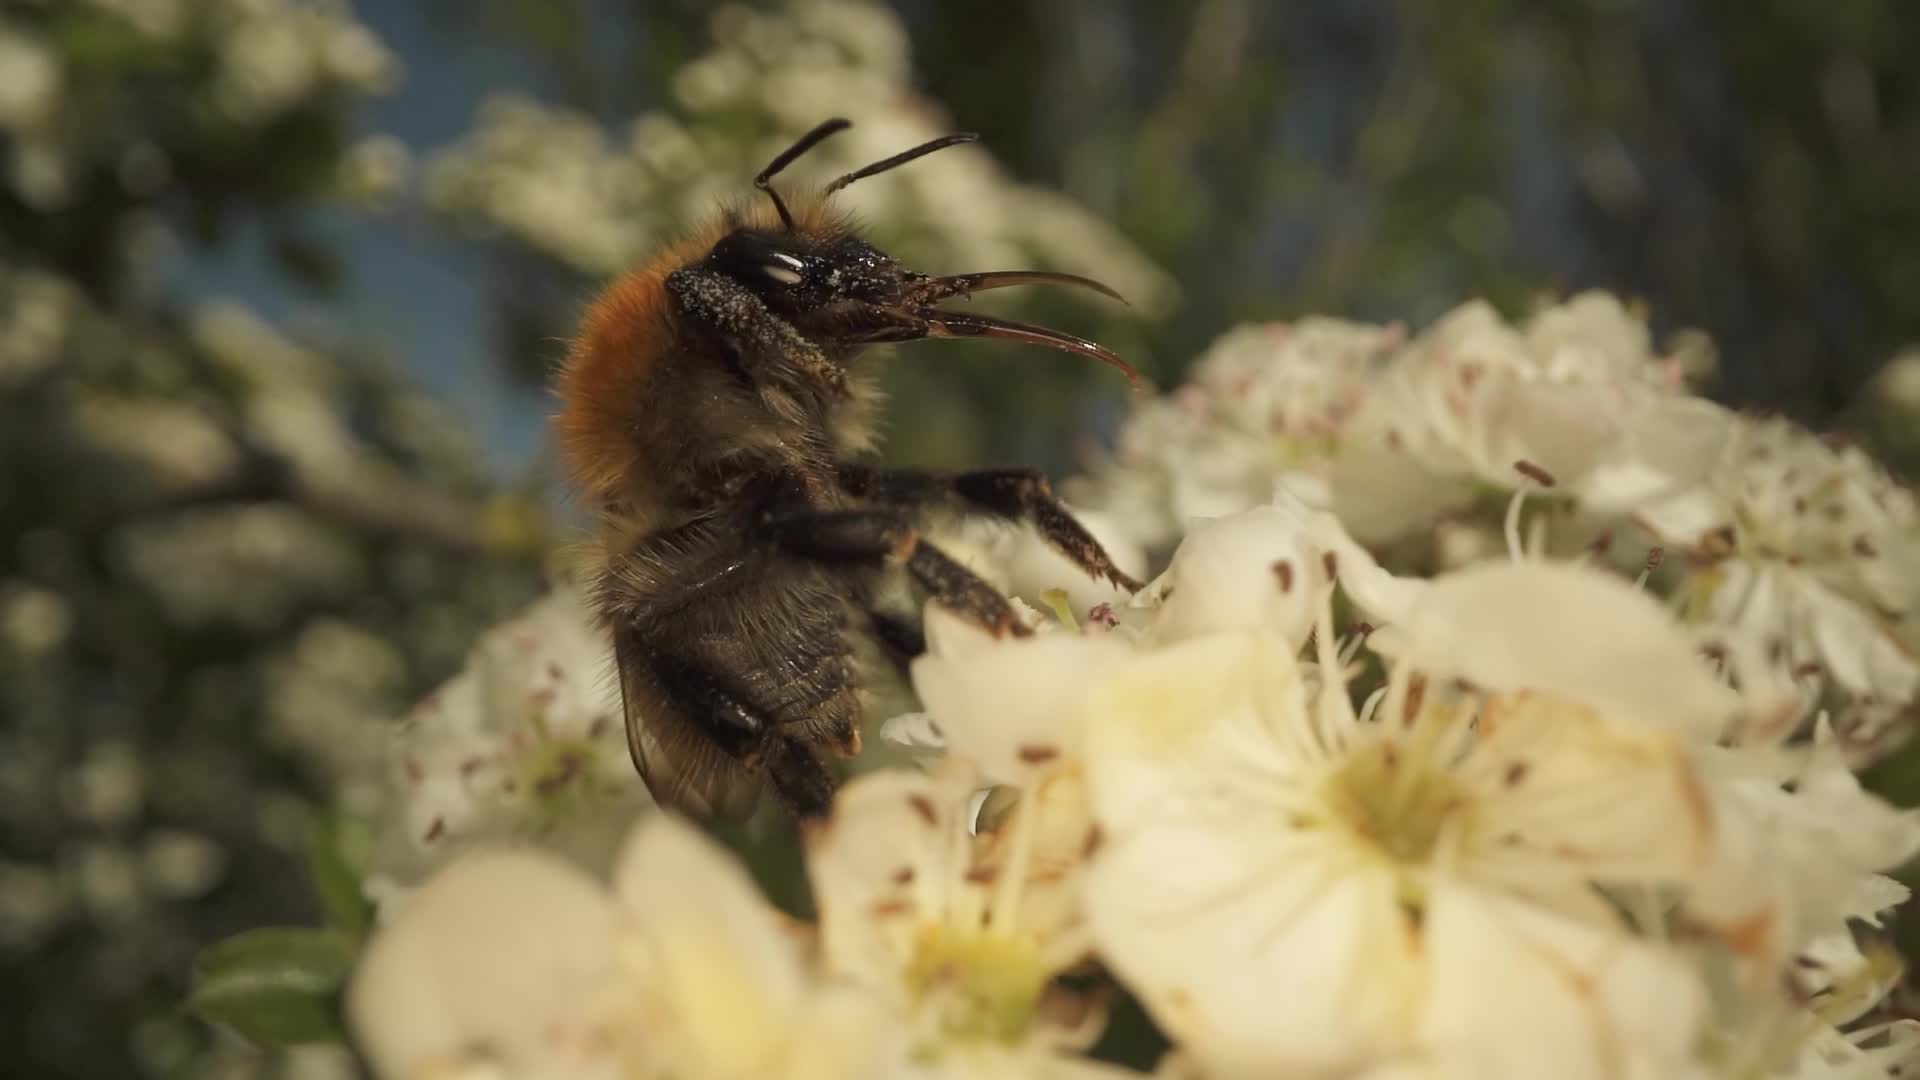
point(754, 260)
point(784, 269)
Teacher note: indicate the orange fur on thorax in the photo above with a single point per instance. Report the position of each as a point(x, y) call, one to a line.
point(603, 384)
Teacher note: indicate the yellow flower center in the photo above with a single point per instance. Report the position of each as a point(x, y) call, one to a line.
point(560, 777)
point(984, 986)
point(1396, 801)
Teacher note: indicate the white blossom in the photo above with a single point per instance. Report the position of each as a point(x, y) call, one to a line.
point(1897, 384)
point(29, 81)
point(1008, 705)
point(1381, 858)
point(274, 56)
point(553, 178)
point(722, 989)
point(503, 957)
point(1803, 841)
point(248, 564)
point(155, 18)
point(528, 967)
point(961, 933)
point(1812, 554)
point(1395, 434)
point(527, 743)
point(37, 314)
point(1262, 569)
point(1535, 816)
point(1265, 402)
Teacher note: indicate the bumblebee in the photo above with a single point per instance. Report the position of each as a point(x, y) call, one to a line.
point(714, 412)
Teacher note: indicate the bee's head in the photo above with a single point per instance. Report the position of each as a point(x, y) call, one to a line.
point(834, 287)
point(807, 275)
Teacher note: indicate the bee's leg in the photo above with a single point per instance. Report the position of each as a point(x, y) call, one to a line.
point(1011, 494)
point(881, 538)
point(751, 737)
point(761, 350)
point(900, 638)
point(800, 778)
point(735, 727)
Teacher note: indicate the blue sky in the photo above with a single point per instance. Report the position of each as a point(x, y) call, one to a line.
point(413, 290)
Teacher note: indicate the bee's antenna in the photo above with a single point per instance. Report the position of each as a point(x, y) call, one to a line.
point(902, 158)
point(805, 143)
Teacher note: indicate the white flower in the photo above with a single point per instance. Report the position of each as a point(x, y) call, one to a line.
point(1265, 401)
point(1813, 553)
point(1009, 706)
point(1560, 629)
point(1792, 828)
point(962, 934)
point(374, 170)
point(523, 965)
point(29, 81)
point(1577, 395)
point(503, 957)
point(527, 743)
point(1820, 1024)
point(155, 18)
point(1298, 382)
point(1803, 840)
point(273, 58)
point(37, 315)
point(1896, 386)
point(175, 446)
point(1427, 875)
point(1262, 569)
point(1396, 436)
point(247, 564)
point(551, 177)
point(720, 987)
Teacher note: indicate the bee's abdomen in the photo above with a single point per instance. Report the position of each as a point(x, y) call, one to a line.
point(785, 639)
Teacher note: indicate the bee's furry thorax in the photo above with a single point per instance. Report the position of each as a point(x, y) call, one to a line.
point(647, 407)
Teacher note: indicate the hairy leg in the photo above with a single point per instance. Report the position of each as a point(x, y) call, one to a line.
point(883, 538)
point(747, 733)
point(1010, 494)
point(899, 637)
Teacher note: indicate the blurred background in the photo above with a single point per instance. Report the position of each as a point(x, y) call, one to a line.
point(281, 282)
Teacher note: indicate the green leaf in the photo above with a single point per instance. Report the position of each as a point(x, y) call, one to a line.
point(279, 986)
point(335, 881)
point(1896, 777)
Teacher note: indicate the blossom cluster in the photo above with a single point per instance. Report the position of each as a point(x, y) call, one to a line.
point(1776, 540)
point(523, 745)
point(554, 180)
point(1323, 807)
point(269, 58)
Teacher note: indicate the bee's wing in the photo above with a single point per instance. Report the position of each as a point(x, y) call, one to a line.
point(682, 767)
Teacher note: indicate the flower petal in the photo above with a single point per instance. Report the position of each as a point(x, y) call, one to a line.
point(1565, 630)
point(1617, 803)
point(1525, 993)
point(894, 838)
point(1010, 706)
point(1203, 907)
point(511, 951)
point(1207, 928)
point(702, 939)
point(1255, 570)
